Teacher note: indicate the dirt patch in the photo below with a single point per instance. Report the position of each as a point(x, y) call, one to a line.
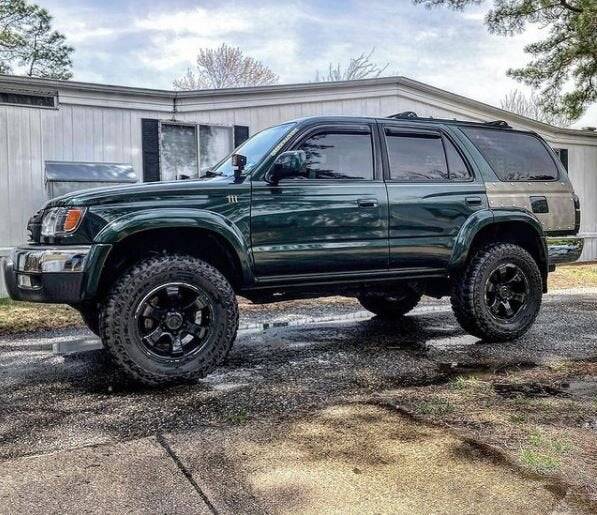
point(573, 276)
point(357, 458)
point(543, 418)
point(27, 317)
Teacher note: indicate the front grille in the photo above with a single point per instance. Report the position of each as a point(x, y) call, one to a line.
point(34, 226)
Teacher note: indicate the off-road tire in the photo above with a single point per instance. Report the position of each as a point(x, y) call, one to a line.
point(469, 291)
point(132, 286)
point(91, 317)
point(390, 306)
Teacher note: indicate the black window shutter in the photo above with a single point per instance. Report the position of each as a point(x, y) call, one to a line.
point(150, 146)
point(241, 134)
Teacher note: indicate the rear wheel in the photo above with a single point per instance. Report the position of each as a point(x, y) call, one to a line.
point(170, 318)
point(498, 296)
point(390, 306)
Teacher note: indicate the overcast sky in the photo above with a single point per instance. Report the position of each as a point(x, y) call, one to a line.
point(150, 42)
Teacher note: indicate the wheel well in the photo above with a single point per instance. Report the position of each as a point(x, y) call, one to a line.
point(200, 243)
point(519, 233)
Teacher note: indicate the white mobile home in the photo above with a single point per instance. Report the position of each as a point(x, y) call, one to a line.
point(162, 135)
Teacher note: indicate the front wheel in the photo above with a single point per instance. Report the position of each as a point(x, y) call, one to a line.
point(498, 296)
point(170, 318)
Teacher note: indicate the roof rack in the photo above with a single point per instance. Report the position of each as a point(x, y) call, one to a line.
point(411, 115)
point(408, 115)
point(499, 123)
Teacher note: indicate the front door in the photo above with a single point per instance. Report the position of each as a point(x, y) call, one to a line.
point(432, 191)
point(334, 218)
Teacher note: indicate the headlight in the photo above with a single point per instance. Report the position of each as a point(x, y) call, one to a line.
point(61, 220)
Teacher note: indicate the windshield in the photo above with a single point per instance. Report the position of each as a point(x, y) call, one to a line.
point(254, 149)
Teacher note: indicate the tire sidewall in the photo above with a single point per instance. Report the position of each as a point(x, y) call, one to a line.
point(525, 318)
point(120, 328)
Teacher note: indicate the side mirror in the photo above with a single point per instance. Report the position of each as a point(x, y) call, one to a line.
point(238, 162)
point(292, 163)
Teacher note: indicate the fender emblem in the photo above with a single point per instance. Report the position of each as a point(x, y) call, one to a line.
point(232, 199)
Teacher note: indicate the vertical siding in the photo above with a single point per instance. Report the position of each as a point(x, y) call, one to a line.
point(30, 136)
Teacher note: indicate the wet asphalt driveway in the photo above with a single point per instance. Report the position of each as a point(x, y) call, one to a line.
point(50, 402)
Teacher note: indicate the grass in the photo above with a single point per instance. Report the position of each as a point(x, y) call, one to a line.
point(434, 406)
point(470, 384)
point(538, 461)
point(574, 276)
point(542, 453)
point(21, 317)
point(238, 417)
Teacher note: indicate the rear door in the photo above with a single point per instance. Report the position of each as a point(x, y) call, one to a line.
point(432, 190)
point(333, 219)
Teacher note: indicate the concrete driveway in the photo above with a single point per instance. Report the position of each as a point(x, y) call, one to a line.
point(289, 424)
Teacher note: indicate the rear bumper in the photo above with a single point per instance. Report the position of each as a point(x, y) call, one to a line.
point(56, 274)
point(566, 249)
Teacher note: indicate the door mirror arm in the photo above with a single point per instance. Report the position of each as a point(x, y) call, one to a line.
point(292, 163)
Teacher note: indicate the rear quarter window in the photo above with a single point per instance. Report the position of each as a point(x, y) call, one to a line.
point(514, 156)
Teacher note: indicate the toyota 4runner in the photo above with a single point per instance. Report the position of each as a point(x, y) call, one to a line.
point(386, 210)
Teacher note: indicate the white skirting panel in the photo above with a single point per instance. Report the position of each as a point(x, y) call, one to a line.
point(590, 251)
point(3, 292)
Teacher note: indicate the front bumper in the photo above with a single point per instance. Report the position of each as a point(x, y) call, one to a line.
point(48, 274)
point(566, 249)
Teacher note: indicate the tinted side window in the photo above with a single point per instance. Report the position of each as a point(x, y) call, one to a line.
point(458, 170)
point(416, 157)
point(514, 156)
point(339, 155)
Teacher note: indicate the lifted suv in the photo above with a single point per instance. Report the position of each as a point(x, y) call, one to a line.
point(386, 210)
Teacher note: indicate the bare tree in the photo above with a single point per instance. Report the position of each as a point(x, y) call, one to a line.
point(530, 106)
point(225, 67)
point(359, 67)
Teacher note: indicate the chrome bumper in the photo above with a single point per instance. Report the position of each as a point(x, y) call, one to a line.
point(46, 274)
point(566, 249)
point(39, 260)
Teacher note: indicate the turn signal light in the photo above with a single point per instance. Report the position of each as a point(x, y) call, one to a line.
point(72, 219)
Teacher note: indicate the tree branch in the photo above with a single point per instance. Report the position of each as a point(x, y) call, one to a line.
point(565, 4)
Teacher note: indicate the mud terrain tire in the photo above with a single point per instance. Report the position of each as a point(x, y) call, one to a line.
point(122, 333)
point(473, 296)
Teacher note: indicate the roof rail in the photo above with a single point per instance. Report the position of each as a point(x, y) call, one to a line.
point(499, 123)
point(404, 115)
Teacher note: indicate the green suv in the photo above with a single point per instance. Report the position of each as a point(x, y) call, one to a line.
point(383, 209)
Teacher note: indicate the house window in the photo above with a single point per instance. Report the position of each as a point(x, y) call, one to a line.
point(30, 99)
point(215, 144)
point(178, 152)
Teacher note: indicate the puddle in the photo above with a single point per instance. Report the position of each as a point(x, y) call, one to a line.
point(455, 368)
point(581, 388)
point(510, 391)
point(257, 328)
point(454, 341)
point(576, 388)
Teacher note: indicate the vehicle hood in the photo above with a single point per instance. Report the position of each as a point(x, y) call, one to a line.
point(154, 191)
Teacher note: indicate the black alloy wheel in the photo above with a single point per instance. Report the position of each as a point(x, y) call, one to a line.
point(506, 292)
point(174, 320)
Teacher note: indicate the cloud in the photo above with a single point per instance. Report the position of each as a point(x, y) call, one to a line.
point(151, 42)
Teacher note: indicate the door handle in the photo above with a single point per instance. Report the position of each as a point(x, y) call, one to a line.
point(367, 202)
point(473, 201)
